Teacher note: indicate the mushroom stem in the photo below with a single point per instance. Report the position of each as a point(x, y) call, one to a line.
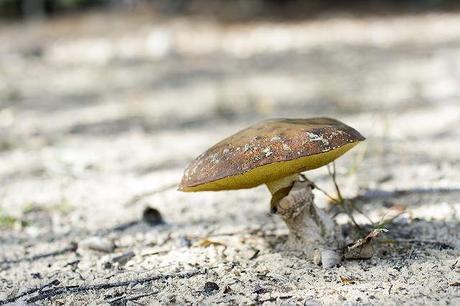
point(311, 230)
point(284, 182)
point(279, 189)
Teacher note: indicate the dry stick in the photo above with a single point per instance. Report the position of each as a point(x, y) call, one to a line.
point(46, 294)
point(326, 194)
point(28, 292)
point(343, 201)
point(304, 177)
point(384, 222)
point(124, 299)
point(139, 197)
point(334, 180)
point(350, 215)
point(71, 248)
point(353, 206)
point(333, 174)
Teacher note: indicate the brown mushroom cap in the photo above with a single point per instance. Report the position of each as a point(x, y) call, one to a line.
point(268, 151)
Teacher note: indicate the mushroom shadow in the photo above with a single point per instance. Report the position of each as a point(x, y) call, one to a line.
point(371, 196)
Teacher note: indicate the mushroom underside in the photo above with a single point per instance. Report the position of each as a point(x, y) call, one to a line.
point(311, 230)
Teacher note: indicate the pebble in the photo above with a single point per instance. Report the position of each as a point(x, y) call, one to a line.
point(152, 216)
point(210, 287)
point(330, 259)
point(124, 258)
point(97, 244)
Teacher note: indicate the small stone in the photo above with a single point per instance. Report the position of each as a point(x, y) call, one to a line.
point(228, 289)
point(184, 241)
point(210, 287)
point(258, 289)
point(97, 244)
point(123, 258)
point(152, 216)
point(36, 275)
point(330, 259)
point(317, 257)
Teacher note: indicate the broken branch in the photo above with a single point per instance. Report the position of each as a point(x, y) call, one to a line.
point(53, 292)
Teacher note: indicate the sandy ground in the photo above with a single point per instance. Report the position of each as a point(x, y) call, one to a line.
point(100, 114)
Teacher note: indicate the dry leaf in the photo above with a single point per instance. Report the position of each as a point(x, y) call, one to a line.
point(456, 284)
point(362, 248)
point(347, 280)
point(207, 242)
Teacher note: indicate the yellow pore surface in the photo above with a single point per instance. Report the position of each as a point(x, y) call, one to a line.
point(272, 172)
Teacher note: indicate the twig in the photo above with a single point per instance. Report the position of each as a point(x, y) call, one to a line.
point(340, 201)
point(28, 292)
point(254, 256)
point(353, 206)
point(124, 299)
point(455, 264)
point(274, 298)
point(385, 222)
point(350, 215)
point(120, 227)
point(46, 294)
point(71, 248)
point(326, 194)
point(334, 180)
point(139, 197)
point(72, 263)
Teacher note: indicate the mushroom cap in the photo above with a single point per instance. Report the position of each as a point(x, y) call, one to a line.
point(268, 151)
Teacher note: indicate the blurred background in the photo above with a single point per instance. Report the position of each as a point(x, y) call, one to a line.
point(228, 9)
point(102, 100)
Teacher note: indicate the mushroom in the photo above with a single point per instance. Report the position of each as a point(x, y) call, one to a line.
point(275, 153)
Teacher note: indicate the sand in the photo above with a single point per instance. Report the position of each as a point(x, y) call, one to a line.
point(99, 117)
